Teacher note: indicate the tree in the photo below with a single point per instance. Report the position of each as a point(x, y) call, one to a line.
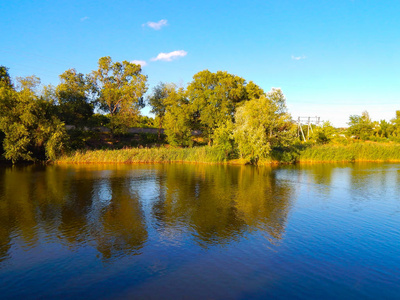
point(6, 88)
point(323, 134)
point(120, 88)
point(5, 79)
point(263, 124)
point(361, 127)
point(396, 124)
point(73, 98)
point(177, 117)
point(384, 129)
point(254, 91)
point(158, 104)
point(223, 138)
point(31, 129)
point(215, 96)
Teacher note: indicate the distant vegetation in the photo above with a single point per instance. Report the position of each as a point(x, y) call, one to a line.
point(235, 120)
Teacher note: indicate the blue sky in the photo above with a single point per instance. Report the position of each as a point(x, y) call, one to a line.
point(331, 58)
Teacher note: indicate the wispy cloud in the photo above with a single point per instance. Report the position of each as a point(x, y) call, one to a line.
point(170, 56)
point(156, 25)
point(84, 19)
point(139, 62)
point(298, 57)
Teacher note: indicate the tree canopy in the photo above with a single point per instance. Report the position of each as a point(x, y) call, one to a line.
point(73, 98)
point(120, 87)
point(262, 124)
point(31, 129)
point(215, 96)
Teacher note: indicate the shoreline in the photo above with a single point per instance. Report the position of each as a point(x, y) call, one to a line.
point(314, 154)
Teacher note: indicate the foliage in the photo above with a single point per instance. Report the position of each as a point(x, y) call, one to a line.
point(5, 79)
point(73, 98)
point(177, 118)
point(215, 96)
point(361, 127)
point(323, 134)
point(31, 130)
point(120, 87)
point(158, 103)
point(224, 140)
point(263, 124)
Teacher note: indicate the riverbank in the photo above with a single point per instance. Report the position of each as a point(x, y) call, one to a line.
point(202, 154)
point(362, 151)
point(353, 152)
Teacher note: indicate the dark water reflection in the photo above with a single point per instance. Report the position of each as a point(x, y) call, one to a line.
point(199, 231)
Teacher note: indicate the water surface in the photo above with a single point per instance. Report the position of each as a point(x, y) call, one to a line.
point(200, 232)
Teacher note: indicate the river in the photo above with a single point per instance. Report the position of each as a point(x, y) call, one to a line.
point(193, 231)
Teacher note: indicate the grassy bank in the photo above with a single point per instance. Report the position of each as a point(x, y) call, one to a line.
point(362, 151)
point(147, 155)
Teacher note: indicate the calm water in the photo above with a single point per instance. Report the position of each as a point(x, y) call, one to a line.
point(200, 232)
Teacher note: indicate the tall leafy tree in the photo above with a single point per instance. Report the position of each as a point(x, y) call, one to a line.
point(178, 117)
point(5, 79)
point(158, 103)
point(215, 96)
point(396, 124)
point(263, 124)
point(73, 98)
point(6, 88)
point(29, 124)
point(120, 88)
point(324, 134)
point(361, 127)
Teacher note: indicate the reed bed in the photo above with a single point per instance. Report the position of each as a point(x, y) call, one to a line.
point(146, 155)
point(363, 151)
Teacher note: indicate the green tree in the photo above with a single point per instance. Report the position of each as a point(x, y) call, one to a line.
point(324, 134)
point(177, 117)
point(396, 124)
point(223, 138)
point(5, 90)
point(120, 88)
point(5, 79)
point(158, 104)
point(215, 96)
point(361, 127)
point(263, 124)
point(31, 129)
point(384, 129)
point(254, 91)
point(73, 98)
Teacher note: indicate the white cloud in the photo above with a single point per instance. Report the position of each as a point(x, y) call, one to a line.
point(170, 56)
point(84, 19)
point(157, 25)
point(298, 57)
point(139, 62)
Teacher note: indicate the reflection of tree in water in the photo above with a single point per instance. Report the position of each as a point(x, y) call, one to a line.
point(17, 213)
point(121, 228)
point(221, 203)
point(190, 200)
point(77, 202)
point(262, 201)
point(59, 202)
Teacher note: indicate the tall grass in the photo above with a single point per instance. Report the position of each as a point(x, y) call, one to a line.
point(363, 151)
point(146, 155)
